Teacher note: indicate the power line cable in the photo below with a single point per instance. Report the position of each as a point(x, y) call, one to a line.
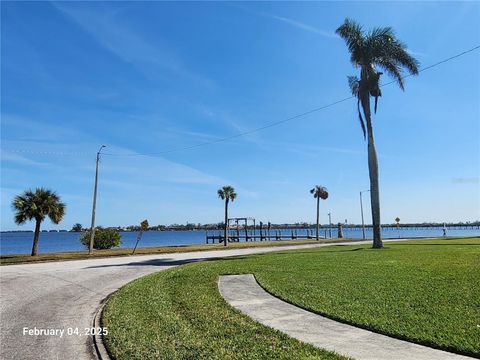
point(248, 132)
point(437, 63)
point(275, 123)
point(41, 152)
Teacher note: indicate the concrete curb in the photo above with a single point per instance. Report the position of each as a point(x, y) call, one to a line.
point(100, 351)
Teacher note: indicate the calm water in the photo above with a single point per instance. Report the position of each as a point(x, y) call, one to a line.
point(21, 243)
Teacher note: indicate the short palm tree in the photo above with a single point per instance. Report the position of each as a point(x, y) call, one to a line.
point(36, 205)
point(319, 192)
point(226, 193)
point(378, 48)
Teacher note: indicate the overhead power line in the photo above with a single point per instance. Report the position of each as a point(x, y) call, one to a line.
point(269, 125)
point(438, 63)
point(52, 153)
point(279, 122)
point(248, 132)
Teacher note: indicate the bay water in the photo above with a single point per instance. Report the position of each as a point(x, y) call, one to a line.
point(21, 242)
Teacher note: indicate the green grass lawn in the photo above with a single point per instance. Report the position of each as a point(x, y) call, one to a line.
point(427, 291)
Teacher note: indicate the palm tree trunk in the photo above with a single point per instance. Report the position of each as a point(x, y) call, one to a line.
point(35, 238)
point(318, 217)
point(372, 170)
point(225, 237)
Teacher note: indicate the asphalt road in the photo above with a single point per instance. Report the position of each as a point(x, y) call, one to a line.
point(66, 295)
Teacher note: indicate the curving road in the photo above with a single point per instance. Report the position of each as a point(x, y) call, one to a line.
point(62, 295)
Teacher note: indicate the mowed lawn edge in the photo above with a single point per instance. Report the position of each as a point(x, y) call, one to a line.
point(154, 250)
point(17, 259)
point(188, 279)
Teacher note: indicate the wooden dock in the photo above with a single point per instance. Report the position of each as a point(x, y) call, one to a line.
point(326, 231)
point(264, 236)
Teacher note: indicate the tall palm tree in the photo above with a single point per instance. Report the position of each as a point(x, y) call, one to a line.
point(36, 206)
point(319, 192)
point(378, 48)
point(226, 193)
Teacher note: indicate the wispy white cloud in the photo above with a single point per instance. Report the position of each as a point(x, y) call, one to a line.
point(416, 53)
point(232, 124)
point(149, 171)
point(192, 134)
point(317, 150)
point(303, 26)
point(295, 23)
point(151, 59)
point(311, 150)
point(18, 159)
point(21, 128)
point(64, 157)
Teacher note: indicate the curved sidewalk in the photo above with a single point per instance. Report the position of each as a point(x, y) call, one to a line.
point(243, 293)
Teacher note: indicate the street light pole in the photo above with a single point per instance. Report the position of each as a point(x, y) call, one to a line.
point(361, 209)
point(92, 228)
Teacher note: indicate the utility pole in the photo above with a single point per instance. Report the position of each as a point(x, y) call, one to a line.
point(329, 225)
point(92, 228)
point(361, 209)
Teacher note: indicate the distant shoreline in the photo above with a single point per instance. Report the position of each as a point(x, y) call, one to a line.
point(475, 224)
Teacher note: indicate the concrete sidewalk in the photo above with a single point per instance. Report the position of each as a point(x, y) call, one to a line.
point(243, 293)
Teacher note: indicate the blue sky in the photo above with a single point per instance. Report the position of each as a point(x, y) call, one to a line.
point(148, 77)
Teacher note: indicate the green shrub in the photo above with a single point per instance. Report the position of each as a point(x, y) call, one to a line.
point(104, 238)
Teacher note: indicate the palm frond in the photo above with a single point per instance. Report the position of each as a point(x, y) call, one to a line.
point(406, 60)
point(37, 205)
point(379, 36)
point(362, 123)
point(377, 48)
point(322, 192)
point(21, 218)
point(56, 212)
point(354, 85)
point(352, 33)
point(227, 192)
point(391, 48)
point(392, 68)
point(319, 192)
point(391, 54)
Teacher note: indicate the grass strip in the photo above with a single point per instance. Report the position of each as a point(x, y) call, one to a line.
point(425, 291)
point(152, 250)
